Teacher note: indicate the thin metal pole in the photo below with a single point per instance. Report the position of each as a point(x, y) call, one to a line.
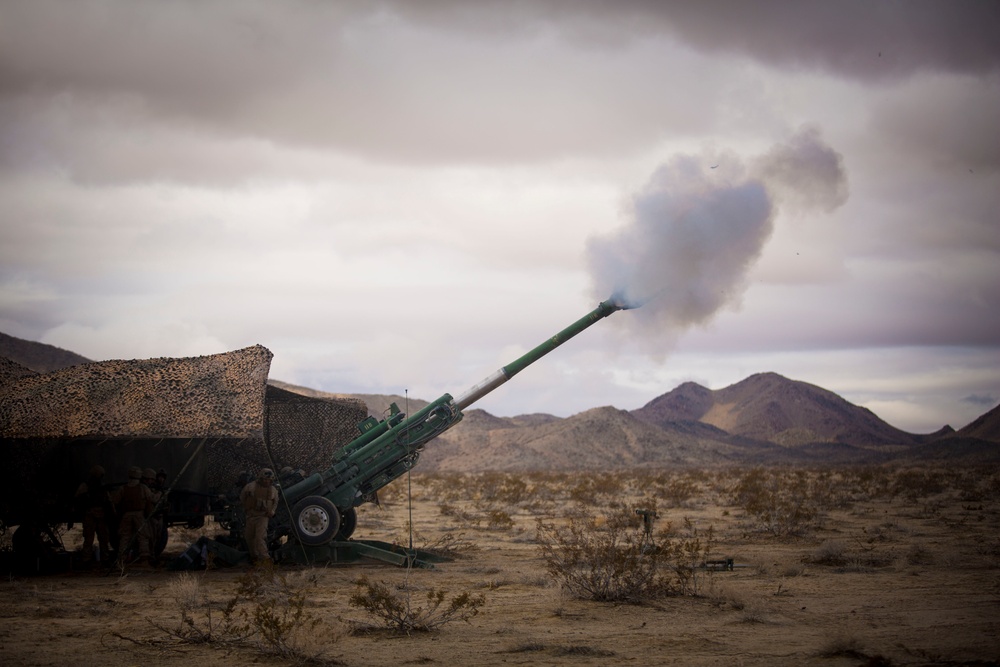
point(409, 482)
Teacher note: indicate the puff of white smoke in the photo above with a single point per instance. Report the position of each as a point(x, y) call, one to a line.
point(695, 231)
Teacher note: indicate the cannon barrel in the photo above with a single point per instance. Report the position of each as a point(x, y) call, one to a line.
point(386, 449)
point(477, 391)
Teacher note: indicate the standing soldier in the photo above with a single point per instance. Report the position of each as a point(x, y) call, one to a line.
point(150, 532)
point(260, 500)
point(134, 502)
point(94, 503)
point(161, 539)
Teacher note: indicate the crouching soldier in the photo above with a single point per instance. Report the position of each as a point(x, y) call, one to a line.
point(260, 500)
point(134, 502)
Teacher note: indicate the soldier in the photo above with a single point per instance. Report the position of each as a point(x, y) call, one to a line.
point(134, 502)
point(260, 500)
point(162, 537)
point(94, 503)
point(150, 531)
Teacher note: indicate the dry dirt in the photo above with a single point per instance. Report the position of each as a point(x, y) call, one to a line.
point(848, 569)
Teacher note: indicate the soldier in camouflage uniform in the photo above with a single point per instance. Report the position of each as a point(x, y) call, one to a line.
point(134, 502)
point(150, 531)
point(260, 500)
point(160, 542)
point(94, 504)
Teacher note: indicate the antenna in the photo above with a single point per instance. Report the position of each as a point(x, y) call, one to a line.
point(409, 483)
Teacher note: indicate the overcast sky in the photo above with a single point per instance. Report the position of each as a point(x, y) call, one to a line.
point(401, 197)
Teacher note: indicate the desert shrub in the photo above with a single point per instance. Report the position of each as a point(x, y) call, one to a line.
point(463, 517)
point(780, 502)
point(499, 520)
point(615, 560)
point(916, 484)
point(864, 556)
point(450, 545)
point(690, 549)
point(679, 492)
point(501, 488)
point(830, 552)
point(591, 489)
point(396, 610)
point(270, 612)
point(266, 612)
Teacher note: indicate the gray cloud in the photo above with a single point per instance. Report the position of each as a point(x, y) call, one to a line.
point(870, 41)
point(981, 400)
point(189, 177)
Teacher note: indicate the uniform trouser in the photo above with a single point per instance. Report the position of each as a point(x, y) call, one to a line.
point(131, 524)
point(255, 534)
point(149, 534)
point(95, 523)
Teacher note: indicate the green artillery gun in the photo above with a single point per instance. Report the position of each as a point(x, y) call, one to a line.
point(321, 508)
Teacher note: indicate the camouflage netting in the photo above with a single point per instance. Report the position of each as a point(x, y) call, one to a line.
point(301, 432)
point(157, 413)
point(220, 395)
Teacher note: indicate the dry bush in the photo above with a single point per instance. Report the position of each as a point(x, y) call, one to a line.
point(864, 556)
point(396, 610)
point(830, 552)
point(615, 560)
point(450, 545)
point(499, 520)
point(592, 489)
point(500, 488)
point(916, 484)
point(464, 518)
point(266, 612)
point(781, 502)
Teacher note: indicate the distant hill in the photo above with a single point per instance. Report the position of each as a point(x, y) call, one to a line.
point(986, 427)
point(766, 419)
point(772, 408)
point(600, 438)
point(38, 357)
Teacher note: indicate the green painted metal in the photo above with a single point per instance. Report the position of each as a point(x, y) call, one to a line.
point(387, 449)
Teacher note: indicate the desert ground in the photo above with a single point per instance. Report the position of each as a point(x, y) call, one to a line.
point(866, 566)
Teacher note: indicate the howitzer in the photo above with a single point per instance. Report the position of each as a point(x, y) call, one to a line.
point(321, 507)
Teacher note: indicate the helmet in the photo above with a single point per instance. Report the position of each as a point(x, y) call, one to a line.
point(286, 471)
point(135, 472)
point(149, 473)
point(97, 471)
point(265, 473)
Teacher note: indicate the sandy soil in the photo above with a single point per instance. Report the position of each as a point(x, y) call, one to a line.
point(859, 575)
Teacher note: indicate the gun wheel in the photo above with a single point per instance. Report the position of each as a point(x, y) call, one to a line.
point(316, 520)
point(348, 522)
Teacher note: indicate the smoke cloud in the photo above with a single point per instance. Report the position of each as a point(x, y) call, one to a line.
point(697, 227)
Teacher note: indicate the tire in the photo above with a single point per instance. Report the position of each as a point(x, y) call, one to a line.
point(348, 522)
point(315, 520)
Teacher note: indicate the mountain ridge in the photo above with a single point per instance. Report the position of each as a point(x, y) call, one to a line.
point(764, 419)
